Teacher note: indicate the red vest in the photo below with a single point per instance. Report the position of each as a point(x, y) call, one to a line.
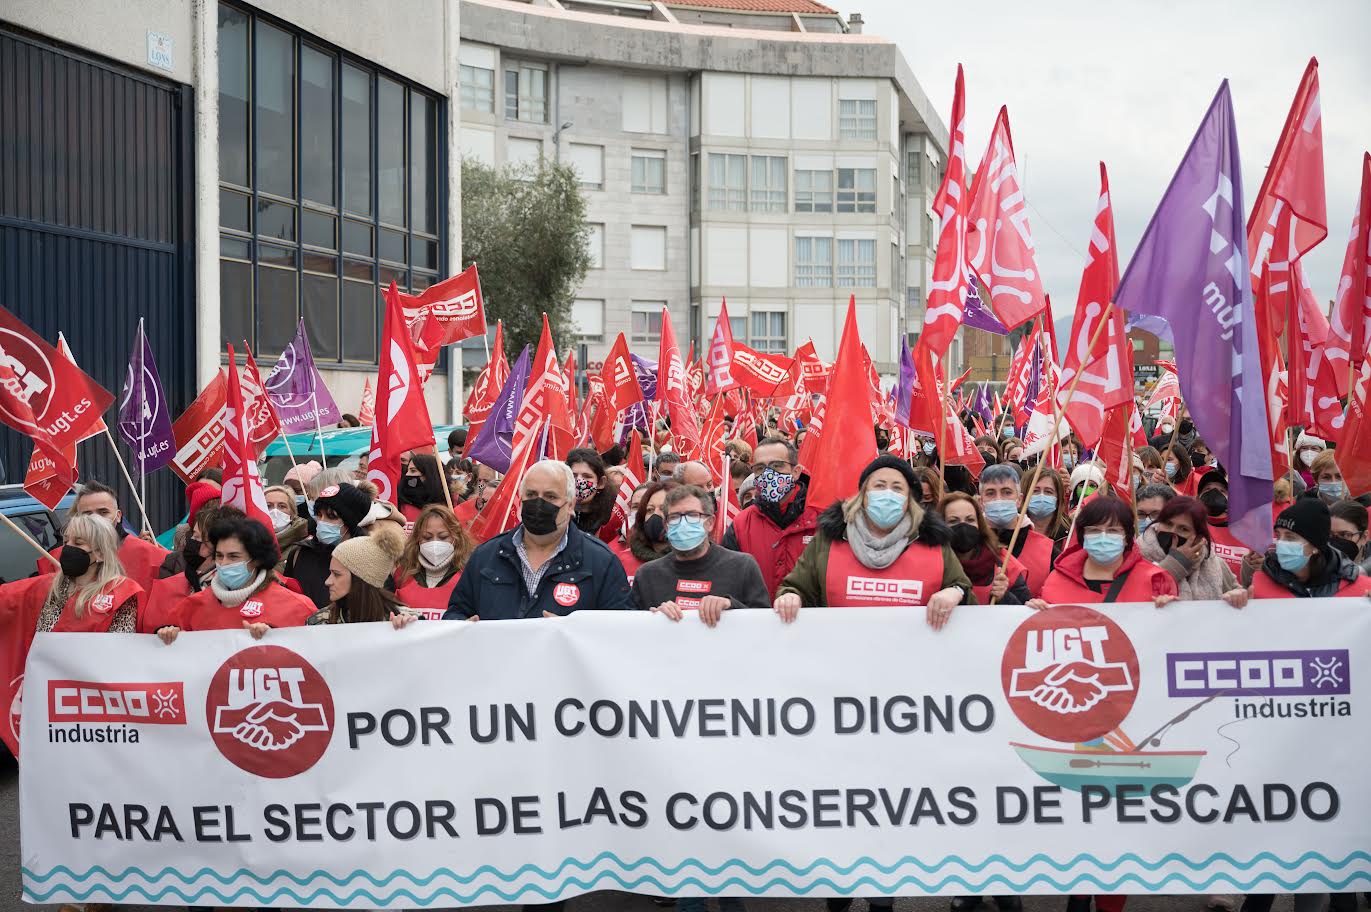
point(1227, 548)
point(159, 609)
point(1012, 569)
point(428, 603)
point(625, 555)
point(775, 549)
point(275, 606)
point(1264, 587)
point(465, 512)
point(100, 610)
point(911, 580)
point(1036, 558)
point(1066, 585)
point(1189, 487)
point(142, 561)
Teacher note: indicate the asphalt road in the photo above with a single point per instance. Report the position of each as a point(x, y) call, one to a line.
point(596, 902)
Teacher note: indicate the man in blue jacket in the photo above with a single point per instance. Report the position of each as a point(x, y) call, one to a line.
point(545, 566)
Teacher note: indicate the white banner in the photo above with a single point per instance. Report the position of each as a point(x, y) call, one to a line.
point(1190, 749)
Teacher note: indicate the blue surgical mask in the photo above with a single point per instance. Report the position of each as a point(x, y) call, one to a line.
point(1104, 547)
point(885, 508)
point(1290, 555)
point(328, 533)
point(1171, 470)
point(1007, 431)
point(686, 534)
point(1041, 505)
point(1002, 513)
point(1068, 461)
point(1332, 490)
point(1143, 523)
point(929, 448)
point(234, 576)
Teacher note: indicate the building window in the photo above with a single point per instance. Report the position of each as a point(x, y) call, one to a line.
point(856, 118)
point(328, 187)
point(478, 88)
point(595, 245)
point(728, 182)
point(588, 315)
point(768, 183)
point(649, 171)
point(856, 263)
point(931, 236)
point(589, 162)
point(768, 332)
point(856, 189)
point(813, 191)
point(647, 247)
point(646, 321)
point(526, 92)
point(813, 262)
point(695, 181)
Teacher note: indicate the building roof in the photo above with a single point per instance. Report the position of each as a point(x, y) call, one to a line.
point(760, 6)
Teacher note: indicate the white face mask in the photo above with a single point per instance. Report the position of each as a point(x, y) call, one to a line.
point(436, 554)
point(1308, 456)
point(279, 519)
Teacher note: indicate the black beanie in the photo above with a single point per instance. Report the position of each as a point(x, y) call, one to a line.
point(902, 466)
point(1308, 517)
point(349, 502)
point(1215, 475)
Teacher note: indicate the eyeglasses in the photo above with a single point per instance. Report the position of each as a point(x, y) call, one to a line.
point(777, 465)
point(694, 516)
point(1348, 536)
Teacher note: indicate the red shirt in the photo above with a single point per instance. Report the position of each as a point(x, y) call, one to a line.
point(275, 606)
point(1066, 585)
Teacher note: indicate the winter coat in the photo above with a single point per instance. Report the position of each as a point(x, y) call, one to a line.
point(775, 535)
point(1339, 576)
point(1143, 580)
point(1210, 578)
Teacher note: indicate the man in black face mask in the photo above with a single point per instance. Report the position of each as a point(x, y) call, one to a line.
point(544, 566)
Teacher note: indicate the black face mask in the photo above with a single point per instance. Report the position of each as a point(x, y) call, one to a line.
point(190, 551)
point(1345, 547)
point(74, 561)
point(1215, 501)
point(654, 529)
point(413, 482)
point(1187, 427)
point(965, 538)
point(539, 516)
point(1168, 540)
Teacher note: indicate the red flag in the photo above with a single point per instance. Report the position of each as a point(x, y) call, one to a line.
point(601, 415)
point(767, 376)
point(712, 438)
point(50, 395)
point(845, 442)
point(98, 426)
point(1291, 203)
point(949, 284)
point(634, 473)
point(695, 376)
point(1349, 330)
point(1354, 446)
point(1308, 334)
point(52, 468)
point(486, 390)
point(718, 376)
point(402, 421)
point(199, 432)
point(242, 486)
point(367, 413)
point(812, 370)
point(448, 312)
point(671, 390)
point(501, 512)
point(1115, 448)
point(1020, 371)
point(46, 480)
point(572, 402)
point(1273, 371)
point(1106, 368)
point(999, 243)
point(263, 425)
point(621, 380)
point(925, 408)
point(957, 384)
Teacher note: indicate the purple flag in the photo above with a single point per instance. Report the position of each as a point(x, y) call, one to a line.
point(296, 390)
point(1191, 269)
point(976, 315)
point(494, 443)
point(144, 418)
point(635, 416)
point(904, 387)
point(983, 405)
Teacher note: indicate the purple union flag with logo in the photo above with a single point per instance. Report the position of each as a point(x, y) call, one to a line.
point(144, 417)
point(1191, 270)
point(296, 390)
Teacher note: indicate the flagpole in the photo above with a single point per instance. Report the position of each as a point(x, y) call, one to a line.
point(323, 456)
point(285, 438)
point(28, 538)
point(133, 488)
point(447, 495)
point(142, 425)
point(1057, 414)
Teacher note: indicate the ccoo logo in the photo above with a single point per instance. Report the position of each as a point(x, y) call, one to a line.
point(270, 712)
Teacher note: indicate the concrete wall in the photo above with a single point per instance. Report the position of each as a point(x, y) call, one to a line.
point(115, 30)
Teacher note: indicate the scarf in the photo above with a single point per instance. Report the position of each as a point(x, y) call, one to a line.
point(232, 598)
point(1208, 579)
point(979, 566)
point(878, 552)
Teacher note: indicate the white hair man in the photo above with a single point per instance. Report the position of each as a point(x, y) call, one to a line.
point(544, 566)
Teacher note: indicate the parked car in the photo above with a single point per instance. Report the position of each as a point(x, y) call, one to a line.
point(343, 447)
point(17, 556)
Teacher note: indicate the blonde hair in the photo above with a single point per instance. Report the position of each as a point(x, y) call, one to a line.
point(462, 542)
point(99, 533)
point(1323, 463)
point(290, 498)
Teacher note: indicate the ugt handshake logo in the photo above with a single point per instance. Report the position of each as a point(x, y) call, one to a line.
point(270, 712)
point(1066, 670)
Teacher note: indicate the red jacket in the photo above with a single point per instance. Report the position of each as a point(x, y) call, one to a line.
point(774, 549)
point(275, 606)
point(1066, 585)
point(142, 561)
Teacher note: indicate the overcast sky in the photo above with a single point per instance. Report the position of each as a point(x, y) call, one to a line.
point(1127, 84)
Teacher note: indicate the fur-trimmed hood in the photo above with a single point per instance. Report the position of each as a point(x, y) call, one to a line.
point(932, 530)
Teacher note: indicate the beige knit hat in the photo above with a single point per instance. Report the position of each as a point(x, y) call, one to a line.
point(366, 558)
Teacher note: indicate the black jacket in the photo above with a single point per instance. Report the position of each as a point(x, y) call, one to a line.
point(1336, 571)
point(308, 566)
point(585, 575)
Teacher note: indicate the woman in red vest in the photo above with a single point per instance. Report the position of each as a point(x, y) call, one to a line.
point(994, 574)
point(421, 485)
point(197, 569)
point(878, 547)
point(245, 591)
point(1103, 564)
point(1303, 564)
point(647, 537)
point(432, 561)
point(1180, 472)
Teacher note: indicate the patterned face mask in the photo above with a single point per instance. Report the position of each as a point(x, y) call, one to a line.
point(773, 485)
point(585, 489)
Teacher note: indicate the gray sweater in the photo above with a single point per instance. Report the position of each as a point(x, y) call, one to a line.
point(733, 575)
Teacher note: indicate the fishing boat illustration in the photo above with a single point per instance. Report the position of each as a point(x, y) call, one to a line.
point(1115, 760)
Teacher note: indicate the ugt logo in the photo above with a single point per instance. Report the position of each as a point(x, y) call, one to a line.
point(270, 712)
point(1070, 674)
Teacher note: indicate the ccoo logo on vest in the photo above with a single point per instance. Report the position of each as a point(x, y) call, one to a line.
point(1070, 674)
point(270, 712)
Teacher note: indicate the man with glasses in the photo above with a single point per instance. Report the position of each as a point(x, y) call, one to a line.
point(779, 523)
point(697, 575)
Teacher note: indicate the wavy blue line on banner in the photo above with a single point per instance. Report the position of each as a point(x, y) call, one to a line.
point(1172, 858)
